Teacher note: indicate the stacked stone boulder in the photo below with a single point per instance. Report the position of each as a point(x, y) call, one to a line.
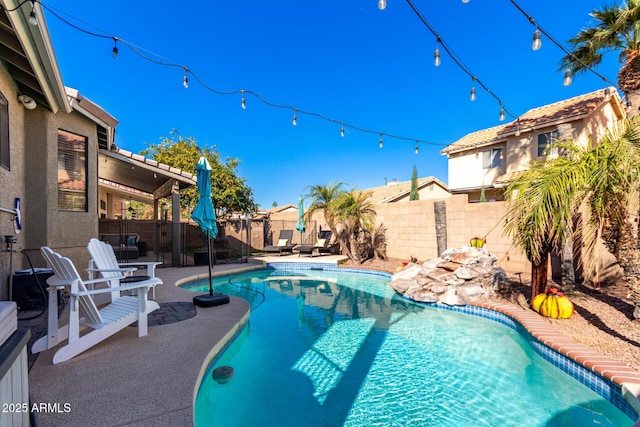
point(457, 277)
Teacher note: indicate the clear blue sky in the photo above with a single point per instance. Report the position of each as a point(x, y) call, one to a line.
point(345, 60)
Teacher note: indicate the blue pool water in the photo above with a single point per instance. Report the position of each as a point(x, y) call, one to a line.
point(327, 348)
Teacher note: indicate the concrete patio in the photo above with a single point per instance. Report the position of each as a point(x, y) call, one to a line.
point(147, 381)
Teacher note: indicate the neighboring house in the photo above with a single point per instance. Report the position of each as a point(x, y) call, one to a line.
point(54, 146)
point(485, 161)
point(398, 191)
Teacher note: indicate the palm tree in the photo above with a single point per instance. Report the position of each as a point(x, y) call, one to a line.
point(541, 208)
point(355, 212)
point(616, 28)
point(599, 181)
point(322, 197)
point(612, 183)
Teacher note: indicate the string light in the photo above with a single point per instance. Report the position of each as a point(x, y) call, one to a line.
point(114, 51)
point(151, 57)
point(342, 130)
point(382, 4)
point(472, 95)
point(541, 30)
point(380, 144)
point(416, 150)
point(33, 20)
point(501, 113)
point(537, 43)
point(436, 54)
point(518, 127)
point(465, 1)
point(295, 118)
point(454, 57)
point(567, 77)
point(243, 103)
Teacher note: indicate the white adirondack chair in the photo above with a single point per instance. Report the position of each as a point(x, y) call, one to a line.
point(104, 322)
point(104, 262)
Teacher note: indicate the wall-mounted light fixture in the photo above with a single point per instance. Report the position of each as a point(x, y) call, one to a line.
point(27, 102)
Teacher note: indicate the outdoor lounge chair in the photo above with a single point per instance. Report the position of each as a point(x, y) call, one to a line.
point(284, 243)
point(104, 261)
point(83, 313)
point(321, 246)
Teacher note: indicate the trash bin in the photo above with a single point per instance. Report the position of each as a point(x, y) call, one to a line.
point(25, 290)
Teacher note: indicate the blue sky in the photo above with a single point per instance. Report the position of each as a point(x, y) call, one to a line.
point(345, 60)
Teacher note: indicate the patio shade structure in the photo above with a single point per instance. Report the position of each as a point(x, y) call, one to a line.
point(300, 225)
point(204, 215)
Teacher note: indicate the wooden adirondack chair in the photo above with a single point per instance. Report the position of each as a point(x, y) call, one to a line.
point(104, 322)
point(104, 262)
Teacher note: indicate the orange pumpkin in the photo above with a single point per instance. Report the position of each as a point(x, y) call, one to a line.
point(553, 304)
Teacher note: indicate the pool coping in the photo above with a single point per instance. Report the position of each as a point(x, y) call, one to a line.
point(618, 373)
point(625, 377)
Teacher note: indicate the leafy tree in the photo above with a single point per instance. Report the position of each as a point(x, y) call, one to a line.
point(350, 215)
point(355, 213)
point(230, 192)
point(615, 28)
point(602, 182)
point(541, 210)
point(322, 197)
point(414, 195)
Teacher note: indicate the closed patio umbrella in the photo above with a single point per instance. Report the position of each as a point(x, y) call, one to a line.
point(205, 216)
point(300, 225)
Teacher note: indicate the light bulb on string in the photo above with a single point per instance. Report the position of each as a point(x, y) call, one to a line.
point(380, 144)
point(465, 1)
point(416, 150)
point(537, 43)
point(341, 130)
point(382, 4)
point(567, 77)
point(243, 104)
point(33, 20)
point(518, 127)
point(501, 113)
point(114, 51)
point(185, 80)
point(472, 95)
point(436, 54)
point(295, 118)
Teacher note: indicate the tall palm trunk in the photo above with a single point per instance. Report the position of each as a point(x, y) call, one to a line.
point(539, 276)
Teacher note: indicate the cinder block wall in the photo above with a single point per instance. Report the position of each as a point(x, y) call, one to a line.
point(411, 229)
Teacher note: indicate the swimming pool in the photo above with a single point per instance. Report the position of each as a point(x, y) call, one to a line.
point(334, 348)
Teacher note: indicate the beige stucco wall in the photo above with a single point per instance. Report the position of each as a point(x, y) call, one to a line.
point(33, 178)
point(12, 183)
point(465, 169)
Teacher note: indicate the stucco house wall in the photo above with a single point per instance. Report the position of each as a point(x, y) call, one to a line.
point(584, 119)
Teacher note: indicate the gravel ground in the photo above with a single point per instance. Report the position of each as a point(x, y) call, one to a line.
point(602, 318)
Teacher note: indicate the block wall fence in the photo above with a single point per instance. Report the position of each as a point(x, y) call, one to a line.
point(411, 229)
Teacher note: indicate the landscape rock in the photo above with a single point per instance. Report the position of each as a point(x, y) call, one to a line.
point(457, 277)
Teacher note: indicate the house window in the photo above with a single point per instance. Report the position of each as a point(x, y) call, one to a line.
point(72, 172)
point(4, 132)
point(545, 140)
point(492, 158)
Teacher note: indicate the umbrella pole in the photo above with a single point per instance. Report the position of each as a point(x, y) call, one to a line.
point(210, 274)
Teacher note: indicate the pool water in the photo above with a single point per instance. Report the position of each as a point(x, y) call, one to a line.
point(326, 348)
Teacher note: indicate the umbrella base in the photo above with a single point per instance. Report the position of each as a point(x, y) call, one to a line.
point(210, 300)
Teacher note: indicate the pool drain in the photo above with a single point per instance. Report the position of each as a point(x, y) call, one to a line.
point(222, 374)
